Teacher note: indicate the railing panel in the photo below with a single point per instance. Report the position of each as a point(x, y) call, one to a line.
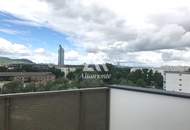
point(83, 109)
point(45, 112)
point(141, 110)
point(2, 114)
point(94, 110)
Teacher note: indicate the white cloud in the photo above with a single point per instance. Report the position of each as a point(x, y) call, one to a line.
point(131, 31)
point(16, 50)
point(9, 31)
point(8, 48)
point(22, 22)
point(72, 56)
point(40, 55)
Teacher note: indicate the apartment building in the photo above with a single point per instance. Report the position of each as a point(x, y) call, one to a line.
point(33, 77)
point(177, 81)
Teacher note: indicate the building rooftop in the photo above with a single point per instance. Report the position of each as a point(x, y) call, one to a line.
point(178, 72)
point(24, 73)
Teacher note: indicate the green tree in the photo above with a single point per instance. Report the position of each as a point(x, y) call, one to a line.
point(158, 80)
point(75, 75)
point(3, 69)
point(132, 77)
point(131, 83)
point(123, 81)
point(150, 78)
point(141, 83)
point(145, 76)
point(71, 76)
point(30, 87)
point(13, 87)
point(57, 72)
point(89, 83)
point(58, 84)
point(40, 87)
point(73, 84)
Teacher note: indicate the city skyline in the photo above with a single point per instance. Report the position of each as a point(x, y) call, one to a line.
point(146, 33)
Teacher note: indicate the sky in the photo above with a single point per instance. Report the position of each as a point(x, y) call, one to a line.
point(133, 32)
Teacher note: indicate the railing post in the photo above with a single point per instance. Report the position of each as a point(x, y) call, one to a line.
point(81, 117)
point(108, 109)
point(7, 102)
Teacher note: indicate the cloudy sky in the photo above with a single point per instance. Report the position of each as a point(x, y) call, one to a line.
point(134, 32)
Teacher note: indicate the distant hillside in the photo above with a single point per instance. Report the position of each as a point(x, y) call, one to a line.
point(5, 60)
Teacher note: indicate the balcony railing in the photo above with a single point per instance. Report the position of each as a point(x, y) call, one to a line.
point(109, 108)
point(84, 109)
point(148, 109)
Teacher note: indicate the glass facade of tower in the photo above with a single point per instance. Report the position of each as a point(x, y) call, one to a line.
point(60, 55)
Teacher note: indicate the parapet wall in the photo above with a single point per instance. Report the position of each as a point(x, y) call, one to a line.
point(85, 109)
point(134, 108)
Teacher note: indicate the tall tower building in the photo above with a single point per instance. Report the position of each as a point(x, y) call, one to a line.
point(60, 56)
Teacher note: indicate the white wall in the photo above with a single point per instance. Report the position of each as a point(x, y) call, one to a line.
point(173, 82)
point(185, 83)
point(143, 111)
